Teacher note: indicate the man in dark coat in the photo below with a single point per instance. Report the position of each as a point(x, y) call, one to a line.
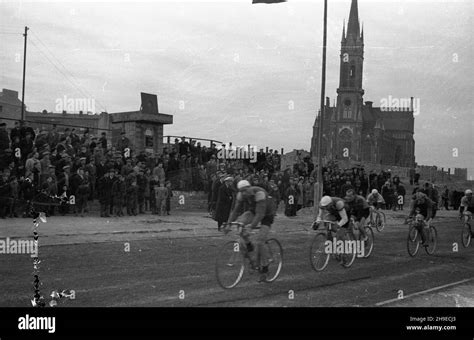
point(215, 191)
point(225, 197)
point(4, 140)
point(105, 193)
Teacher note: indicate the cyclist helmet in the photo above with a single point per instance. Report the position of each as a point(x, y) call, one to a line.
point(243, 184)
point(375, 191)
point(468, 192)
point(325, 201)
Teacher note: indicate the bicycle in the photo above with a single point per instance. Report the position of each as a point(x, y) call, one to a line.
point(234, 255)
point(369, 243)
point(467, 232)
point(414, 237)
point(319, 257)
point(380, 219)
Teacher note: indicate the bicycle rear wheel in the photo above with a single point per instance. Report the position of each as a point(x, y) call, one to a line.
point(230, 264)
point(466, 235)
point(380, 221)
point(432, 240)
point(275, 252)
point(413, 243)
point(318, 257)
point(369, 244)
point(349, 255)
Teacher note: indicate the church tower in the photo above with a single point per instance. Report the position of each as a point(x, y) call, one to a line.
point(350, 92)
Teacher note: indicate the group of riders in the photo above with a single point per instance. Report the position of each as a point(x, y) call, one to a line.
point(259, 209)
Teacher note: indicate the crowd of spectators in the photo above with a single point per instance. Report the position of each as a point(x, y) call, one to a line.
point(64, 171)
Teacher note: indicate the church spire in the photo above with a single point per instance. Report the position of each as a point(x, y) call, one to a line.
point(344, 30)
point(353, 25)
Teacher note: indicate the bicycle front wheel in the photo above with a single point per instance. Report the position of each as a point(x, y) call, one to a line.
point(380, 221)
point(275, 252)
point(413, 243)
point(432, 240)
point(369, 244)
point(466, 235)
point(318, 257)
point(230, 264)
point(350, 251)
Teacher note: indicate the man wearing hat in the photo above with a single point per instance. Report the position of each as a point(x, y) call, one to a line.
point(215, 190)
point(106, 192)
point(123, 142)
point(63, 179)
point(225, 198)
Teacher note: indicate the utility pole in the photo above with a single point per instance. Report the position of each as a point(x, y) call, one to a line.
point(24, 71)
point(319, 188)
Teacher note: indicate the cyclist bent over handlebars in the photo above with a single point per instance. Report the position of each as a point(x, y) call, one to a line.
point(260, 209)
point(425, 206)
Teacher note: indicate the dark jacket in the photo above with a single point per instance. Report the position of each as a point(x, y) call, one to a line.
point(225, 197)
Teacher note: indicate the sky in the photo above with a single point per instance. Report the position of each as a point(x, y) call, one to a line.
point(243, 73)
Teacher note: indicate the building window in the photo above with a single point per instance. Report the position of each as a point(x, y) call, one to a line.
point(149, 138)
point(353, 71)
point(347, 114)
point(1, 108)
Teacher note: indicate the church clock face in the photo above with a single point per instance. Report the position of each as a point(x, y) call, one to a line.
point(347, 102)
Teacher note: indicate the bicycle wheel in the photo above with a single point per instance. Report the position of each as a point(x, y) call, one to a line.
point(369, 244)
point(380, 221)
point(432, 240)
point(318, 257)
point(230, 264)
point(275, 252)
point(466, 235)
point(350, 252)
point(413, 243)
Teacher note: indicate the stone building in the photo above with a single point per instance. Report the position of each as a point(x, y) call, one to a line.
point(144, 127)
point(356, 130)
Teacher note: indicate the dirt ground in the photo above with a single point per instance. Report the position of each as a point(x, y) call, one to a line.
point(150, 260)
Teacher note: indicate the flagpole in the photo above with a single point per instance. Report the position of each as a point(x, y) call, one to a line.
point(24, 71)
point(319, 188)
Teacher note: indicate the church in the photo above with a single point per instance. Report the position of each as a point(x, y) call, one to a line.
point(356, 130)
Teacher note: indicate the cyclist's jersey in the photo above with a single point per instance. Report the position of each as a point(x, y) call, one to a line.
point(335, 211)
point(259, 202)
point(357, 205)
point(467, 204)
point(426, 208)
point(373, 199)
point(335, 207)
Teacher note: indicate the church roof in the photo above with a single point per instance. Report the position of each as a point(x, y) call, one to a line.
point(391, 120)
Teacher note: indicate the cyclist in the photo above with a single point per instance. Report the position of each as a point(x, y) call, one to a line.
point(375, 198)
point(332, 209)
point(424, 205)
point(359, 209)
point(467, 205)
point(260, 209)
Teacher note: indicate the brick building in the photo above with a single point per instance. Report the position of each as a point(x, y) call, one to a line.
point(354, 130)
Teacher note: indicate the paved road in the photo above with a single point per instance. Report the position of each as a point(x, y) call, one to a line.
point(170, 262)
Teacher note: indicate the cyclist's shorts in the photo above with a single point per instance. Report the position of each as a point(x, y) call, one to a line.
point(268, 220)
point(362, 213)
point(247, 217)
